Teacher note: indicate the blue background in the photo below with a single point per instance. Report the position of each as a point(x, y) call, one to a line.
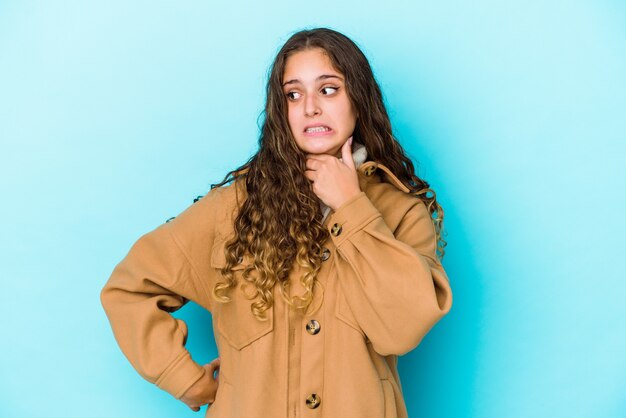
point(115, 115)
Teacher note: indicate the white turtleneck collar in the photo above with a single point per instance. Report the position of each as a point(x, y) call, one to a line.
point(359, 155)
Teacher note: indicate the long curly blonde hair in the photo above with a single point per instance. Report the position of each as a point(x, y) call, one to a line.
point(280, 221)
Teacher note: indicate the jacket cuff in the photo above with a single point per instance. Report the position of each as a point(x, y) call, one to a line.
point(180, 375)
point(350, 217)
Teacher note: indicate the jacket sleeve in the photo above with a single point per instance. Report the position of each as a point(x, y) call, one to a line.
point(156, 278)
point(393, 282)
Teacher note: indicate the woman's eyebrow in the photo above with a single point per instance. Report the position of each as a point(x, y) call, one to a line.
point(322, 77)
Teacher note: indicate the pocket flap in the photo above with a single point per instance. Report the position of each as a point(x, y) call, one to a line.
point(344, 313)
point(235, 321)
point(240, 327)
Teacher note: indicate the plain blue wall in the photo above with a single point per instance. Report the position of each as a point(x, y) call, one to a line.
point(115, 115)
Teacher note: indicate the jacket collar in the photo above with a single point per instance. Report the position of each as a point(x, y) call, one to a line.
point(367, 169)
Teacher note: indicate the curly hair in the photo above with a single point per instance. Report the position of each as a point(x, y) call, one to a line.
point(280, 221)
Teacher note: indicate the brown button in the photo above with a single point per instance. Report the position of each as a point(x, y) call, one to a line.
point(325, 254)
point(336, 229)
point(370, 170)
point(313, 327)
point(313, 401)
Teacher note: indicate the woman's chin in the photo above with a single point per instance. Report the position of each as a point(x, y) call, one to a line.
point(313, 147)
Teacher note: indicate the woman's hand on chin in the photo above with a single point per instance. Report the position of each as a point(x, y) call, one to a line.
point(335, 180)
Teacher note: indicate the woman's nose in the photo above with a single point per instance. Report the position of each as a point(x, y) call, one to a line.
point(311, 106)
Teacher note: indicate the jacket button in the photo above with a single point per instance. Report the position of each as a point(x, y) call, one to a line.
point(336, 229)
point(313, 401)
point(312, 327)
point(370, 170)
point(325, 254)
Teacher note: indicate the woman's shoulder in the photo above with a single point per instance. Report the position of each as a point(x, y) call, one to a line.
point(208, 210)
point(382, 186)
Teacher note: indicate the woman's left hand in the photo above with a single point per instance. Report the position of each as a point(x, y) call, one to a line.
point(335, 181)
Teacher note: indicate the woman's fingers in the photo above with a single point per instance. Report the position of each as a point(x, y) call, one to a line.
point(346, 154)
point(211, 367)
point(215, 364)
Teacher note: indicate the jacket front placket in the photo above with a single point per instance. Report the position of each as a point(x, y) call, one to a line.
point(306, 331)
point(293, 349)
point(305, 351)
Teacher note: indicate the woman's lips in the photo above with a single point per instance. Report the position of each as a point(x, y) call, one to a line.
point(321, 133)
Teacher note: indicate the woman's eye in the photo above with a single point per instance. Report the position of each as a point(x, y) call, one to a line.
point(294, 95)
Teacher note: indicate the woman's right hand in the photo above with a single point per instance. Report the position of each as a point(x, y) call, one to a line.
point(204, 390)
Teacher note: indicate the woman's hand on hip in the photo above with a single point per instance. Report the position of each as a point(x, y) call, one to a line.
point(204, 390)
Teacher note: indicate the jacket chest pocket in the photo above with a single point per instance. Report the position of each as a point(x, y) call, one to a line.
point(235, 321)
point(344, 313)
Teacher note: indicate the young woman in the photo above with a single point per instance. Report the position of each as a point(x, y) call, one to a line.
point(320, 261)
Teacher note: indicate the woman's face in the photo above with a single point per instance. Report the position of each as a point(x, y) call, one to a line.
point(320, 114)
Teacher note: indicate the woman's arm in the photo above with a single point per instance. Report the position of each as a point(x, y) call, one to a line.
point(155, 278)
point(392, 281)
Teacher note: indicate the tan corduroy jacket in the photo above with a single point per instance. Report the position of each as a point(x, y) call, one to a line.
point(380, 290)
